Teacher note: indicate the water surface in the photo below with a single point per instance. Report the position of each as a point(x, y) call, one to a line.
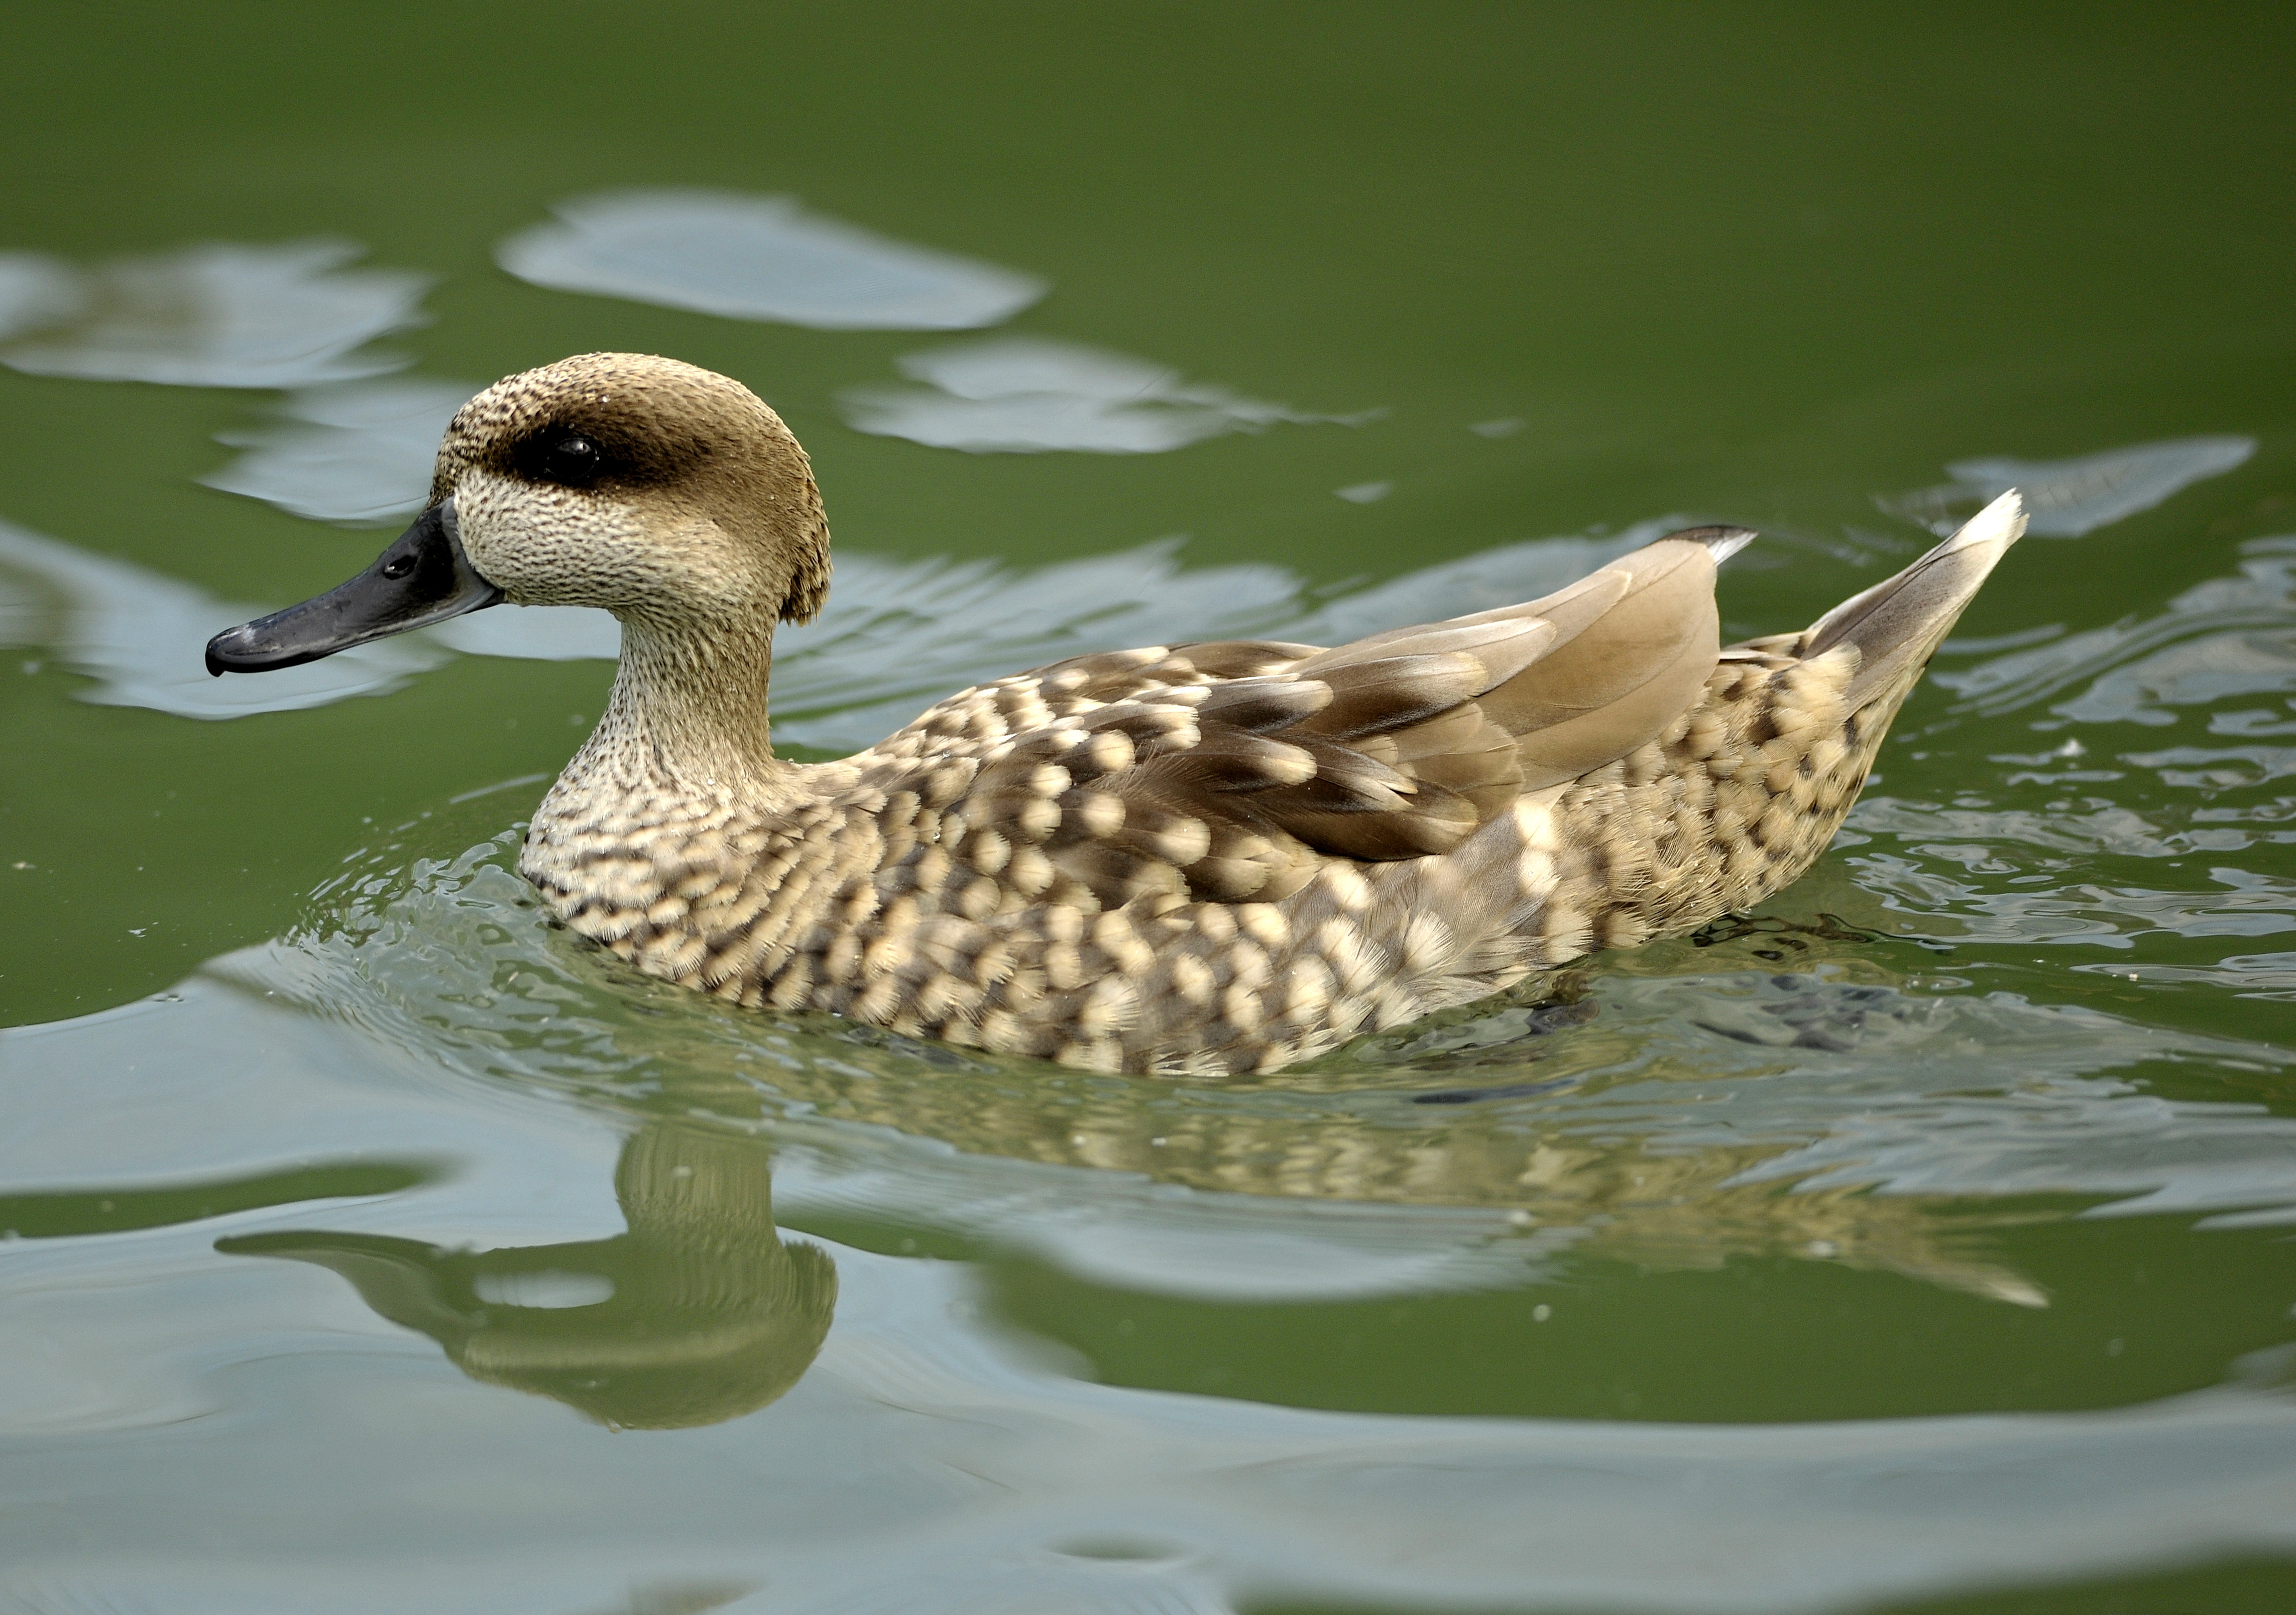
point(1921, 1242)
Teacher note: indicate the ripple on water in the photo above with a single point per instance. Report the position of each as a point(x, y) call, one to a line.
point(1702, 1109)
point(2267, 976)
point(359, 453)
point(2233, 902)
point(759, 257)
point(2214, 768)
point(140, 635)
point(2034, 856)
point(220, 314)
point(2227, 636)
point(36, 290)
point(1846, 1112)
point(1033, 395)
point(2066, 498)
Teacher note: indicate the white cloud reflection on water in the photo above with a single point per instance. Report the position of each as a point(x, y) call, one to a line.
point(359, 455)
point(36, 290)
point(1035, 394)
point(216, 315)
point(2066, 498)
point(759, 257)
point(141, 635)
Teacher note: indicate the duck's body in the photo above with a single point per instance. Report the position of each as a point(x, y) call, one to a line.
point(1019, 870)
point(1193, 859)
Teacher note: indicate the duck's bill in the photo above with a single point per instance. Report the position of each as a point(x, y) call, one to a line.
point(423, 578)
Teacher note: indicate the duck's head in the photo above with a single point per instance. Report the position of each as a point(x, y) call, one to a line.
point(669, 494)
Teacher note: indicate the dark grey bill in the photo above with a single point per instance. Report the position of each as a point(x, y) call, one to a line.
point(423, 578)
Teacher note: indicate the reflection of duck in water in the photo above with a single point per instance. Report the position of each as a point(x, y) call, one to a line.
point(700, 1312)
point(1200, 858)
point(1531, 1138)
point(1634, 1189)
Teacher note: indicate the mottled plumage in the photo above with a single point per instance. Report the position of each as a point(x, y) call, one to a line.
point(1184, 859)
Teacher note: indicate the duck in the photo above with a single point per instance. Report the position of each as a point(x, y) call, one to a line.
point(1210, 859)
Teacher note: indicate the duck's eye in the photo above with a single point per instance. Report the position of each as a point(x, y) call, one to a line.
point(398, 565)
point(568, 458)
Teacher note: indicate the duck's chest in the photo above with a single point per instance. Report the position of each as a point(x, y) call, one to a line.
point(695, 886)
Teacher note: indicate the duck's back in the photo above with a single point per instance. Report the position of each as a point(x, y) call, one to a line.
point(1230, 857)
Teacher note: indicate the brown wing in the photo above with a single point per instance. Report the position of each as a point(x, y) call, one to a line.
point(1230, 770)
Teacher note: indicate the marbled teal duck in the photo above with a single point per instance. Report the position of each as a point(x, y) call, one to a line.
point(1189, 859)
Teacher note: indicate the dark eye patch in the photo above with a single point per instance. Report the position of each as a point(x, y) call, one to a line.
point(564, 456)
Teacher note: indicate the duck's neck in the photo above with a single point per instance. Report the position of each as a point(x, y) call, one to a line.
point(688, 713)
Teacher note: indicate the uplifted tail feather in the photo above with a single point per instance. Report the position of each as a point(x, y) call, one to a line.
point(1898, 623)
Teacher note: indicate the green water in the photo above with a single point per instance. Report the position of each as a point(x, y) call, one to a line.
point(1924, 1245)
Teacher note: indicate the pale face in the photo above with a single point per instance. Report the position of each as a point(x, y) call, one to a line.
point(545, 544)
point(650, 488)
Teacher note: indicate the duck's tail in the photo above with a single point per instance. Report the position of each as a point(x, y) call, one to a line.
point(1898, 625)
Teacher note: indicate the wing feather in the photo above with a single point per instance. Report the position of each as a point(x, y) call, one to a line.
point(1228, 771)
